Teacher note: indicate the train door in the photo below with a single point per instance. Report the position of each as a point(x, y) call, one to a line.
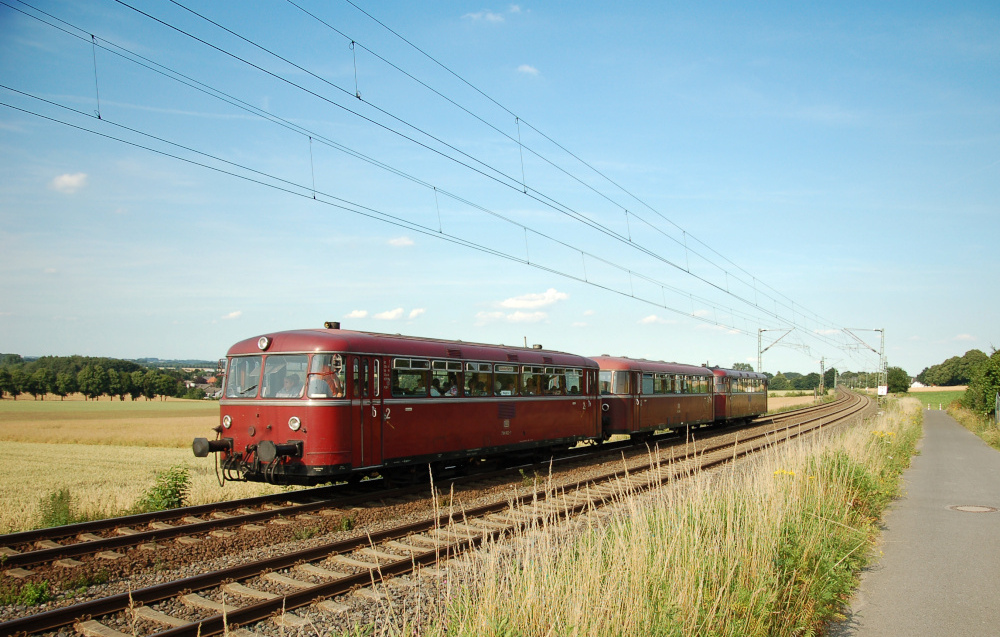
point(635, 379)
point(367, 447)
point(371, 422)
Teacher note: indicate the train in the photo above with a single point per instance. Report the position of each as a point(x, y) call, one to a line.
point(314, 406)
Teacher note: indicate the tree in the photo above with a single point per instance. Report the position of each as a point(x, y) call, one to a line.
point(65, 384)
point(743, 367)
point(6, 382)
point(779, 382)
point(135, 385)
point(983, 386)
point(18, 381)
point(41, 382)
point(898, 380)
point(93, 381)
point(829, 377)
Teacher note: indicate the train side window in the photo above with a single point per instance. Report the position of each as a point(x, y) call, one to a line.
point(478, 379)
point(621, 383)
point(357, 381)
point(446, 378)
point(605, 382)
point(648, 384)
point(375, 376)
point(533, 381)
point(554, 381)
point(506, 380)
point(364, 379)
point(574, 381)
point(409, 377)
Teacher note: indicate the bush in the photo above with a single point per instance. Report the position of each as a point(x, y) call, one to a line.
point(57, 509)
point(170, 491)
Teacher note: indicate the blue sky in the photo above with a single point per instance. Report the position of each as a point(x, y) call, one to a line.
point(685, 177)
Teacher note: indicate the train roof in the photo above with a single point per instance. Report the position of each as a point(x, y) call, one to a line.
point(622, 363)
point(736, 373)
point(347, 341)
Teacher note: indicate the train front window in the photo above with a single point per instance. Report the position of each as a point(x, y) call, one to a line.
point(243, 379)
point(284, 375)
point(326, 376)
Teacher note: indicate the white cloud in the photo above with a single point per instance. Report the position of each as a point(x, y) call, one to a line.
point(486, 15)
point(69, 184)
point(589, 313)
point(515, 8)
point(233, 315)
point(401, 242)
point(526, 317)
point(357, 314)
point(390, 315)
point(651, 319)
point(533, 301)
point(50, 271)
point(701, 313)
point(578, 324)
point(417, 312)
point(527, 69)
point(965, 337)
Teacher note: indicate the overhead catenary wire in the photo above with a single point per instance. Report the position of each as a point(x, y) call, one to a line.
point(509, 182)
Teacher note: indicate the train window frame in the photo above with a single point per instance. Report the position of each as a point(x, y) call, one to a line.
point(529, 386)
point(577, 373)
point(502, 374)
point(473, 374)
point(445, 372)
point(648, 383)
point(410, 368)
point(326, 385)
point(621, 382)
point(276, 369)
point(235, 379)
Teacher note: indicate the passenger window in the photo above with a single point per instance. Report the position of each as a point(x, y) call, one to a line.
point(243, 378)
point(621, 383)
point(506, 380)
point(604, 382)
point(533, 381)
point(647, 384)
point(478, 379)
point(574, 381)
point(409, 377)
point(446, 378)
point(357, 381)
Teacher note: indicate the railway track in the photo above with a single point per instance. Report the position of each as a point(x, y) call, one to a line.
point(109, 540)
point(214, 602)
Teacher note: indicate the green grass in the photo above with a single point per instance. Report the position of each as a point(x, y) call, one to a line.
point(771, 547)
point(28, 409)
point(933, 399)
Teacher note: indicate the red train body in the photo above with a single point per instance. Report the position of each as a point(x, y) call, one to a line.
point(739, 395)
point(640, 396)
point(314, 406)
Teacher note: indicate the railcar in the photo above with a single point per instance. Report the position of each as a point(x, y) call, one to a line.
point(313, 406)
point(739, 395)
point(639, 397)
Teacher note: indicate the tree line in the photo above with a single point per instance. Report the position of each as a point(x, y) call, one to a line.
point(91, 376)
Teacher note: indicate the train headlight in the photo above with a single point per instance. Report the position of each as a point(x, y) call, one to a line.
point(227, 421)
point(294, 423)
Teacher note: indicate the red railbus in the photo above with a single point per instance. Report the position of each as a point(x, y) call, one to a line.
point(739, 395)
point(312, 406)
point(641, 396)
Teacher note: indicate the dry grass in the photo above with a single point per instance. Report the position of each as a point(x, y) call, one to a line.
point(769, 548)
point(172, 423)
point(107, 453)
